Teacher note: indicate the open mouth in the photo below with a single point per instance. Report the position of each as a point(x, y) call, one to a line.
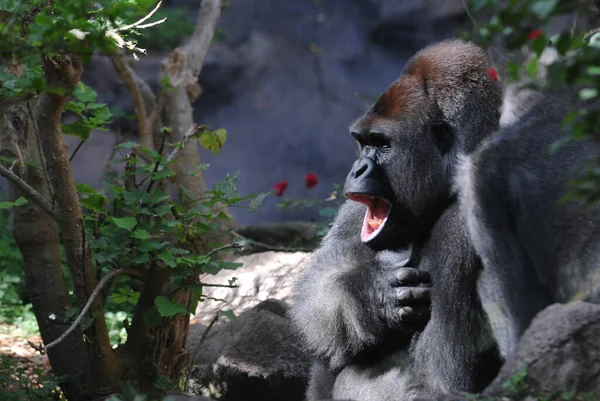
point(378, 210)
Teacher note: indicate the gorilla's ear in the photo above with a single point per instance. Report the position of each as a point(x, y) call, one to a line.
point(443, 137)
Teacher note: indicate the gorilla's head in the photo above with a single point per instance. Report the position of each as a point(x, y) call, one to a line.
point(444, 103)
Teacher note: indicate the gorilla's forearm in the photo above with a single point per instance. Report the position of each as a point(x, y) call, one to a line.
point(347, 310)
point(336, 319)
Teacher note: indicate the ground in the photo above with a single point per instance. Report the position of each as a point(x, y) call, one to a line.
point(18, 357)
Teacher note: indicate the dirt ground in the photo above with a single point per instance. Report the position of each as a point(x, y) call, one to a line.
point(13, 344)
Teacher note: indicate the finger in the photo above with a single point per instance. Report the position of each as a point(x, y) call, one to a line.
point(414, 314)
point(413, 295)
point(408, 275)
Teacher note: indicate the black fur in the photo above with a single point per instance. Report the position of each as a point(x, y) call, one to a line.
point(347, 305)
point(536, 249)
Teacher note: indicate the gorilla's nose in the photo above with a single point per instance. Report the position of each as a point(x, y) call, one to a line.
point(363, 166)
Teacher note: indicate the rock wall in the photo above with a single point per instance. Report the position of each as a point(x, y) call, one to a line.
point(287, 79)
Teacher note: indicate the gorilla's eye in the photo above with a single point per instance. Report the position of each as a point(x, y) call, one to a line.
point(378, 140)
point(442, 136)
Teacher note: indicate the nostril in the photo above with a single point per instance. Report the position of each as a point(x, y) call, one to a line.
point(360, 170)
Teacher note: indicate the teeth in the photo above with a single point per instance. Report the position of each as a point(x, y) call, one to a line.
point(375, 223)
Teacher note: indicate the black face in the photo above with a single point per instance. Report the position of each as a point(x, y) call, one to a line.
point(401, 176)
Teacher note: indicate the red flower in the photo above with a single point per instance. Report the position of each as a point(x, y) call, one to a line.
point(280, 187)
point(493, 73)
point(310, 180)
point(534, 34)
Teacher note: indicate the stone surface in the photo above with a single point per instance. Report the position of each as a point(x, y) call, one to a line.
point(561, 350)
point(253, 357)
point(263, 275)
point(286, 81)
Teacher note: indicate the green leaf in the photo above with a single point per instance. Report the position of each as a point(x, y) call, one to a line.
point(539, 44)
point(126, 223)
point(152, 318)
point(532, 67)
point(588, 93)
point(257, 201)
point(543, 8)
point(228, 313)
point(226, 189)
point(230, 265)
point(94, 203)
point(593, 70)
point(20, 201)
point(78, 129)
point(85, 189)
point(168, 308)
point(44, 20)
point(595, 40)
point(167, 256)
point(128, 145)
point(84, 93)
point(140, 234)
point(213, 140)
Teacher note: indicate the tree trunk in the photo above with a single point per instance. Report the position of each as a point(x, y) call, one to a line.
point(63, 73)
point(37, 238)
point(183, 68)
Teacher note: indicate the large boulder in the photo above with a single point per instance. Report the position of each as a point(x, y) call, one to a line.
point(262, 276)
point(561, 351)
point(256, 356)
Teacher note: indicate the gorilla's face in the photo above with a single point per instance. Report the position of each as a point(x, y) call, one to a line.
point(401, 173)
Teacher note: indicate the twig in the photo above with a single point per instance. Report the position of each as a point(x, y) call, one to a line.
point(157, 163)
point(234, 245)
point(591, 33)
point(186, 137)
point(138, 24)
point(219, 285)
point(466, 7)
point(158, 108)
point(34, 195)
point(200, 342)
point(87, 306)
point(81, 142)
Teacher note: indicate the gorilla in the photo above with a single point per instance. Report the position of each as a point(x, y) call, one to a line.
point(389, 308)
point(535, 248)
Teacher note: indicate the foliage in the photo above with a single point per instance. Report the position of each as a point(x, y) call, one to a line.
point(169, 34)
point(517, 25)
point(133, 224)
point(66, 27)
point(142, 222)
point(91, 115)
point(326, 208)
point(16, 384)
point(517, 384)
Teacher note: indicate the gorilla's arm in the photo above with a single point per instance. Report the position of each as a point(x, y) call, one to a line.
point(348, 305)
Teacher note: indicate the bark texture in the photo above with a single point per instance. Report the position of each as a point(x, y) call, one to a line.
point(62, 74)
point(37, 237)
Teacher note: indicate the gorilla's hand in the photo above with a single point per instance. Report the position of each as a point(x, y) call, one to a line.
point(406, 299)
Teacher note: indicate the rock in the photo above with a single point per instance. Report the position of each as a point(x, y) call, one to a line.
point(253, 357)
point(287, 237)
point(262, 276)
point(561, 350)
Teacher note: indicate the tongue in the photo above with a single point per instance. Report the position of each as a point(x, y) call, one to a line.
point(377, 213)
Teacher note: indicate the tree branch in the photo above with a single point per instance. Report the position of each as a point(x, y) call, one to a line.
point(128, 76)
point(88, 305)
point(34, 195)
point(186, 137)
